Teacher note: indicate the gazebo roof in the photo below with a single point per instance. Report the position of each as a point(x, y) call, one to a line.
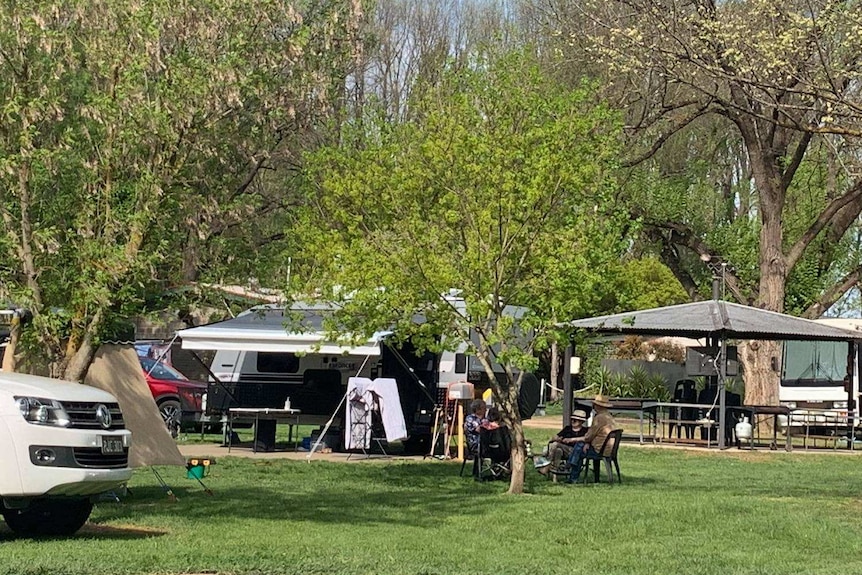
point(714, 318)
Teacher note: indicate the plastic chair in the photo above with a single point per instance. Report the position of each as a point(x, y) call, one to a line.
point(616, 437)
point(684, 392)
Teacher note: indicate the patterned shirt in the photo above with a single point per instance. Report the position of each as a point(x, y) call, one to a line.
point(472, 423)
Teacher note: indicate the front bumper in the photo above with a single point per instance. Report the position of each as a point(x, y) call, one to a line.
point(79, 468)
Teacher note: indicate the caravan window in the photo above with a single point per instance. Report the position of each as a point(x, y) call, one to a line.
point(814, 363)
point(277, 362)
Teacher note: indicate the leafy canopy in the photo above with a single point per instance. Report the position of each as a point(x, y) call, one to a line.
point(497, 187)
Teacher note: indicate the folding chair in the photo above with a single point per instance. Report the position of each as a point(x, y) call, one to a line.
point(611, 459)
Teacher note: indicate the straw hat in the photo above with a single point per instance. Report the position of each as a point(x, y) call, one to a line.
point(601, 401)
point(579, 414)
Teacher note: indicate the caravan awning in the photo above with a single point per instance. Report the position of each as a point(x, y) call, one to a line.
point(265, 330)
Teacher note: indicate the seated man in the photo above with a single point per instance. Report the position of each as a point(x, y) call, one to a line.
point(603, 424)
point(561, 445)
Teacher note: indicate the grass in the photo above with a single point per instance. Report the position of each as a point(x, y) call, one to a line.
point(676, 512)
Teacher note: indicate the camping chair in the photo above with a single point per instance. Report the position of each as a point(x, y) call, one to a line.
point(495, 451)
point(471, 455)
point(616, 437)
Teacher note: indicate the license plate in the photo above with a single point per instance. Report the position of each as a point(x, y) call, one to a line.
point(112, 444)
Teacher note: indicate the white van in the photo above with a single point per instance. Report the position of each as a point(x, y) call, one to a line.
point(62, 445)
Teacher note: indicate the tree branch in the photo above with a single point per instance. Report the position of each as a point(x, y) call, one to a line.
point(798, 248)
point(662, 138)
point(828, 298)
point(798, 155)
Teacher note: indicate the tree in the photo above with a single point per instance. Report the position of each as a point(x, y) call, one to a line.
point(785, 78)
point(410, 42)
point(497, 188)
point(129, 131)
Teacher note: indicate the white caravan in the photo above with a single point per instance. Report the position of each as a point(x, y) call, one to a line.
point(812, 376)
point(260, 363)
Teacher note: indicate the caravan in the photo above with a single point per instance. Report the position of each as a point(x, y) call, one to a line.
point(261, 362)
point(813, 378)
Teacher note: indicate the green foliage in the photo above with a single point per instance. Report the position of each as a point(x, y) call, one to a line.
point(132, 133)
point(637, 383)
point(646, 283)
point(497, 187)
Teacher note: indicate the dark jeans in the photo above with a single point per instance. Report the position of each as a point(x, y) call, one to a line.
point(577, 458)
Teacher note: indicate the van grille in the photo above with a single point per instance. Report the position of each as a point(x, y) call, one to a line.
point(82, 414)
point(93, 457)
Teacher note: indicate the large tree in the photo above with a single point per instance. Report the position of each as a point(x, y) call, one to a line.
point(132, 133)
point(784, 77)
point(497, 188)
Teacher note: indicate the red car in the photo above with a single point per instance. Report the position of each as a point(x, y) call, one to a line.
point(179, 399)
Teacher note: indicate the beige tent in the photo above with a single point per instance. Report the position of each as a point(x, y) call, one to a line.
point(116, 370)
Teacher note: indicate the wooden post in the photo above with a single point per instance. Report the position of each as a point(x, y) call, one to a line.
point(461, 430)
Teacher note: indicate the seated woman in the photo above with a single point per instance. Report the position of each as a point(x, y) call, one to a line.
point(473, 422)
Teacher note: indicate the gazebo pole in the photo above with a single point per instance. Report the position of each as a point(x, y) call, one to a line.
point(852, 399)
point(567, 382)
point(722, 404)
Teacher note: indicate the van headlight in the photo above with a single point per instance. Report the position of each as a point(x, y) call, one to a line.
point(43, 411)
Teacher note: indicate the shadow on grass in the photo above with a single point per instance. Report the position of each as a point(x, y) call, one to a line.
point(317, 492)
point(95, 531)
point(408, 494)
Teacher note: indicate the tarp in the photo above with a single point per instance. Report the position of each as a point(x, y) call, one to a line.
point(712, 318)
point(268, 329)
point(116, 370)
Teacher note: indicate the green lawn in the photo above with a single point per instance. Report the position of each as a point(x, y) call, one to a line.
point(676, 512)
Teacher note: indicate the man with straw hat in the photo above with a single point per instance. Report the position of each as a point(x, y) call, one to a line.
point(603, 424)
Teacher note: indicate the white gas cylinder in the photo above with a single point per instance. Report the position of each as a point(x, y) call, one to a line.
point(743, 429)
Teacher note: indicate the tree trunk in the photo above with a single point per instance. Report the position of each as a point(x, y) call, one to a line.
point(80, 360)
point(9, 362)
point(761, 380)
point(519, 457)
point(555, 371)
point(508, 404)
point(512, 417)
point(761, 357)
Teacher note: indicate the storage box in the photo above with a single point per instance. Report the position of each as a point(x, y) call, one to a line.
point(461, 390)
point(332, 439)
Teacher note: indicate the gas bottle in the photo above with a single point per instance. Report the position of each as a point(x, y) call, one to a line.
point(743, 430)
